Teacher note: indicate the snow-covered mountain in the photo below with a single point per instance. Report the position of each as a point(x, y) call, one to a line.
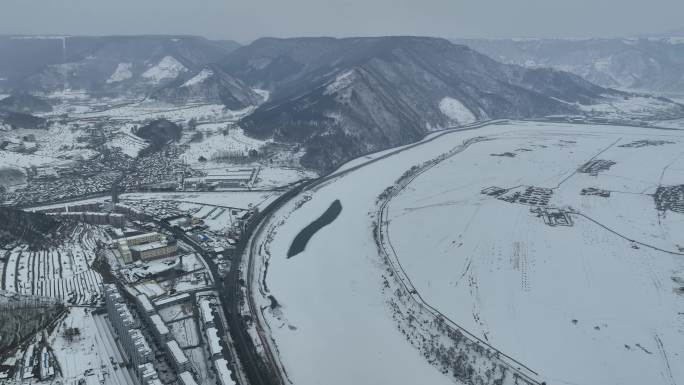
point(103, 65)
point(342, 98)
point(651, 64)
point(208, 85)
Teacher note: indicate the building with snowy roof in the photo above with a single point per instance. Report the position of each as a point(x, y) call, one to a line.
point(206, 312)
point(178, 357)
point(143, 238)
point(126, 326)
point(145, 304)
point(137, 348)
point(186, 378)
point(223, 372)
point(214, 342)
point(153, 250)
point(159, 329)
point(147, 373)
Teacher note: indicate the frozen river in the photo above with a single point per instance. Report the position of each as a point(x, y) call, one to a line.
point(580, 287)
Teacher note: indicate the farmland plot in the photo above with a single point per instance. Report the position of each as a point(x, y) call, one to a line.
point(64, 272)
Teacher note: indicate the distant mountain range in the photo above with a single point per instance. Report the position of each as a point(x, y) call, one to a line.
point(111, 65)
point(653, 64)
point(340, 98)
point(209, 85)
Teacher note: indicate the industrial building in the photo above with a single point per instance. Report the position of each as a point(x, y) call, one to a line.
point(153, 250)
point(143, 238)
point(228, 178)
point(145, 247)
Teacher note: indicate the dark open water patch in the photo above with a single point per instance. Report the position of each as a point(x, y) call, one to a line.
point(300, 241)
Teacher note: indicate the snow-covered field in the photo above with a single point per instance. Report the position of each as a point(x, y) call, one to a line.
point(64, 273)
point(237, 199)
point(218, 141)
point(456, 111)
point(645, 107)
point(143, 111)
point(674, 123)
point(93, 355)
point(167, 68)
point(592, 303)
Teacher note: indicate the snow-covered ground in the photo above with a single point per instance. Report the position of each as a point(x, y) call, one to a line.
point(238, 199)
point(279, 176)
point(674, 123)
point(645, 107)
point(168, 68)
point(579, 304)
point(149, 110)
point(93, 355)
point(456, 111)
point(121, 73)
point(199, 78)
point(556, 298)
point(217, 141)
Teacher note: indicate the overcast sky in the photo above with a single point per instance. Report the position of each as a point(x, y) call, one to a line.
point(245, 20)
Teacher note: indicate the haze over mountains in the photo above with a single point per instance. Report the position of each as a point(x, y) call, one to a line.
point(104, 65)
point(346, 97)
point(651, 64)
point(341, 98)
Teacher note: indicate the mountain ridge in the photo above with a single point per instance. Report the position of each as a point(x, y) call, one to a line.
point(341, 98)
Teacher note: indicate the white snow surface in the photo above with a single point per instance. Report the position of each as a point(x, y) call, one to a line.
point(493, 267)
point(122, 72)
point(167, 68)
point(239, 199)
point(199, 78)
point(217, 142)
point(637, 106)
point(341, 82)
point(265, 94)
point(456, 111)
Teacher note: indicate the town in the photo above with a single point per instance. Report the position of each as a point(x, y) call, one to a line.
point(139, 276)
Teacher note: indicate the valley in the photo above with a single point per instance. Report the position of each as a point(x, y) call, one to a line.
point(364, 210)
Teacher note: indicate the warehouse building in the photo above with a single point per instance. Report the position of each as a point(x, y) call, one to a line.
point(154, 250)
